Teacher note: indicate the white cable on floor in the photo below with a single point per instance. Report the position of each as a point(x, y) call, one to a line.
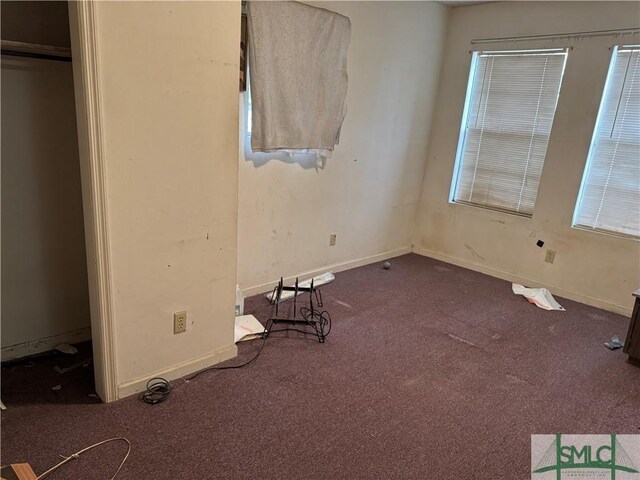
point(77, 454)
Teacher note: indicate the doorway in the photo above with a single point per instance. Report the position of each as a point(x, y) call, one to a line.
point(45, 293)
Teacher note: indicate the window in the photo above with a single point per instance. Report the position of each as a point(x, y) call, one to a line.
point(247, 108)
point(609, 197)
point(509, 109)
point(307, 160)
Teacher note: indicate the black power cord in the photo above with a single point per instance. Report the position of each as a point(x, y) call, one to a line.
point(158, 389)
point(318, 320)
point(229, 367)
point(323, 320)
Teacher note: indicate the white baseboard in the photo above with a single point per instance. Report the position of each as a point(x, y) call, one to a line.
point(34, 347)
point(529, 282)
point(336, 267)
point(178, 370)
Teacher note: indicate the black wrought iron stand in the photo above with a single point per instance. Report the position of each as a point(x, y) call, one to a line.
point(312, 320)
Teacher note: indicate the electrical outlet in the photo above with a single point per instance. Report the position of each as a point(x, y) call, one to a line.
point(550, 257)
point(179, 322)
point(332, 239)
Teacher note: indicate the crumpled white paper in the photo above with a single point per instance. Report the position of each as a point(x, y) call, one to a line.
point(247, 328)
point(540, 297)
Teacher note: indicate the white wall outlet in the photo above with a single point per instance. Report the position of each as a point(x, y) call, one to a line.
point(550, 257)
point(179, 322)
point(332, 239)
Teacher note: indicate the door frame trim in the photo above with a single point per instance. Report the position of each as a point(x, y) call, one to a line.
point(89, 114)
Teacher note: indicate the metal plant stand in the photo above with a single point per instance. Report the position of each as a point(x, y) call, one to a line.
point(311, 320)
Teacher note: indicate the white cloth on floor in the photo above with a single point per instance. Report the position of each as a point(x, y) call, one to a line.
point(540, 297)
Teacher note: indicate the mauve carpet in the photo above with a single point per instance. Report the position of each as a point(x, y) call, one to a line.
point(431, 372)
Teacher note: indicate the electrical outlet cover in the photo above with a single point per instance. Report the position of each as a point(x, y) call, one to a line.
point(551, 256)
point(179, 322)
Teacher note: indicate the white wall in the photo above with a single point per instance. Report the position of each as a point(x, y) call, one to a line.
point(169, 91)
point(368, 191)
point(590, 267)
point(44, 272)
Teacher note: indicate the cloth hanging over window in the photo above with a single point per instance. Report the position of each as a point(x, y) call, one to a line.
point(298, 75)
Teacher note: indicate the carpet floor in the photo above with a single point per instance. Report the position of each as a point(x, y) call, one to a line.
point(431, 371)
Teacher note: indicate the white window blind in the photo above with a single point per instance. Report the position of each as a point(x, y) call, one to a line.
point(609, 198)
point(511, 101)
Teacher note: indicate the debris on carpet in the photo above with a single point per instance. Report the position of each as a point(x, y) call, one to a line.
point(614, 343)
point(317, 281)
point(247, 328)
point(540, 297)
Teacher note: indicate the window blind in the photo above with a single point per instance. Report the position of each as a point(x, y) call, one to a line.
point(609, 197)
point(509, 110)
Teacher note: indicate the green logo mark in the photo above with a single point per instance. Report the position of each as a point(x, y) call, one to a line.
point(609, 456)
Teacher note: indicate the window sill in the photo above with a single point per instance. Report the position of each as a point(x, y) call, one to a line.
point(305, 160)
point(491, 209)
point(609, 233)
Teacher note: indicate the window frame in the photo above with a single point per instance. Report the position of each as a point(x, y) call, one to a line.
point(475, 55)
point(589, 161)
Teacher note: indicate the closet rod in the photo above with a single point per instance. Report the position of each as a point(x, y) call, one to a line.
point(592, 33)
point(35, 50)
